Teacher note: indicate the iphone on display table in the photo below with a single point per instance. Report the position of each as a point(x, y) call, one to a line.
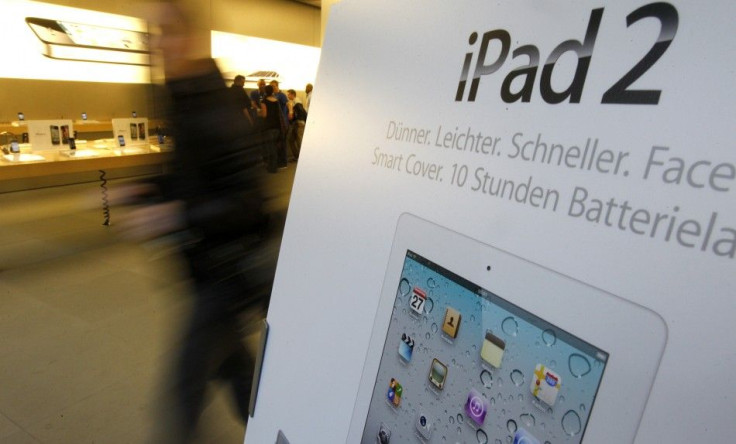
point(472, 344)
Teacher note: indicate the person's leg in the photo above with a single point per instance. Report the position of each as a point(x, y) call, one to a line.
point(299, 136)
point(225, 309)
point(236, 365)
point(281, 154)
point(210, 337)
point(184, 388)
point(237, 369)
point(192, 374)
point(270, 150)
point(290, 138)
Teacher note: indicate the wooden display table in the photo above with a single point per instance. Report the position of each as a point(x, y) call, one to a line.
point(60, 167)
point(81, 126)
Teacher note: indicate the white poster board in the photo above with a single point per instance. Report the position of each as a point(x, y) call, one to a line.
point(130, 131)
point(50, 134)
point(595, 143)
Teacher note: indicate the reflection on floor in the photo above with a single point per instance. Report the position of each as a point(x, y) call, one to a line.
point(88, 324)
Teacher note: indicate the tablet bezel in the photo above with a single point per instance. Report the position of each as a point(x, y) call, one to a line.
point(635, 349)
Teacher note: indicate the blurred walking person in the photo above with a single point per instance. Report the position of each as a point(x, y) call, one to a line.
point(211, 203)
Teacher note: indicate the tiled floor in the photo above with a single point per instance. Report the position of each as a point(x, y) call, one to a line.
point(88, 325)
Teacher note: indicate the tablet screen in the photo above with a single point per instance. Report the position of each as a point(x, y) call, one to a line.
point(462, 364)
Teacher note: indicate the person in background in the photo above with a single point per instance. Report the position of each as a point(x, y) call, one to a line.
point(282, 99)
point(297, 121)
point(274, 130)
point(256, 96)
point(211, 203)
point(308, 90)
point(238, 92)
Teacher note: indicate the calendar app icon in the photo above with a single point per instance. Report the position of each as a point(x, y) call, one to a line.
point(417, 300)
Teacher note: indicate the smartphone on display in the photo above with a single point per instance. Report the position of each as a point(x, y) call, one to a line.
point(65, 134)
point(21, 116)
point(84, 116)
point(134, 131)
point(54, 134)
point(142, 131)
point(24, 138)
point(14, 147)
point(86, 42)
point(121, 140)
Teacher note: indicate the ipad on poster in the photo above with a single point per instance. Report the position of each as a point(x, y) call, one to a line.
point(474, 344)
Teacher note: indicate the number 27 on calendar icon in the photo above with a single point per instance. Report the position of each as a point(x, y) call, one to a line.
point(417, 300)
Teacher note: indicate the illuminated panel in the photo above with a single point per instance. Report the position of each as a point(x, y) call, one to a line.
point(52, 42)
point(296, 65)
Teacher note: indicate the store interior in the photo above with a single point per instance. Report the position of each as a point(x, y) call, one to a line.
point(90, 322)
point(104, 90)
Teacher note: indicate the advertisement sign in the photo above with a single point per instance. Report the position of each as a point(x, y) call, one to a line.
point(52, 42)
point(50, 134)
point(510, 223)
point(130, 132)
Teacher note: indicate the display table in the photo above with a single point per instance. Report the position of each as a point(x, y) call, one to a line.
point(56, 163)
point(81, 126)
point(36, 169)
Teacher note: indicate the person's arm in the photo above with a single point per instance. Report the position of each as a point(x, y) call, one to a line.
point(263, 112)
point(246, 109)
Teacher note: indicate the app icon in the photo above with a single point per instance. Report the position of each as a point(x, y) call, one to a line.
point(395, 390)
point(384, 435)
point(492, 350)
point(417, 300)
point(545, 384)
point(406, 347)
point(437, 374)
point(424, 426)
point(523, 437)
point(476, 407)
point(452, 322)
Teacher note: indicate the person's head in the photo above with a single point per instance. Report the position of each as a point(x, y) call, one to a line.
point(291, 94)
point(239, 81)
point(268, 90)
point(261, 84)
point(308, 88)
point(176, 35)
point(275, 85)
